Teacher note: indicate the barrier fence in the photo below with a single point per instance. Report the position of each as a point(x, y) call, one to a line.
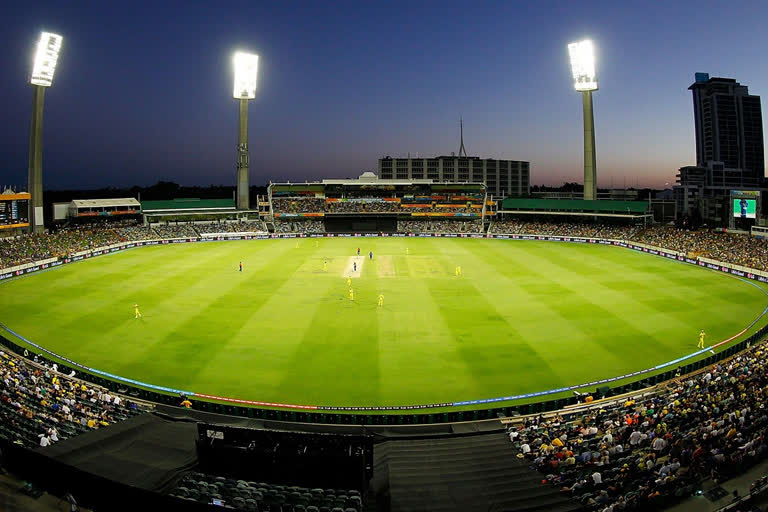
point(373, 415)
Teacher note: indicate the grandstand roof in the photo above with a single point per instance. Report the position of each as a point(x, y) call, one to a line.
point(188, 204)
point(105, 203)
point(575, 205)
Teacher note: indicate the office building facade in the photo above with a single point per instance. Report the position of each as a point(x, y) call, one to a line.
point(729, 125)
point(502, 178)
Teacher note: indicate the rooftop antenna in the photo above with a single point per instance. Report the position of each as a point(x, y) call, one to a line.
point(462, 150)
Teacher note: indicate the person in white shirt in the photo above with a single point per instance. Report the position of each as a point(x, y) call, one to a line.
point(116, 400)
point(525, 448)
point(44, 441)
point(597, 478)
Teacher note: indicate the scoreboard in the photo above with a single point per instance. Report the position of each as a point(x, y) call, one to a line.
point(14, 210)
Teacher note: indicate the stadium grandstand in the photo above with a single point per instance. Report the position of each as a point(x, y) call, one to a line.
point(643, 444)
point(372, 205)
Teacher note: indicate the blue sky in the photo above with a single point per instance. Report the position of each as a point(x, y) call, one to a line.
point(143, 90)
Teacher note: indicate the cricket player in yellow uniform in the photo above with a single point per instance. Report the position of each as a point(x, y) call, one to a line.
point(136, 312)
point(351, 294)
point(701, 339)
point(381, 300)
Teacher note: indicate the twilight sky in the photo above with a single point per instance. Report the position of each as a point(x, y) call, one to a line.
point(143, 90)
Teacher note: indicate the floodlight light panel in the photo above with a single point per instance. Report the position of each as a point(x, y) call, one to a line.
point(582, 56)
point(246, 69)
point(46, 56)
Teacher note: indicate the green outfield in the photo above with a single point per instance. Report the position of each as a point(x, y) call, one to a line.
point(525, 316)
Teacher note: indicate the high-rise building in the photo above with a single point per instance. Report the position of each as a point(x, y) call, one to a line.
point(729, 125)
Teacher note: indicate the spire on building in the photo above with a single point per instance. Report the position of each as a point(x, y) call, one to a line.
point(462, 150)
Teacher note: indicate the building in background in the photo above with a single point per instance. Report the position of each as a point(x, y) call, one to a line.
point(502, 178)
point(730, 155)
point(729, 126)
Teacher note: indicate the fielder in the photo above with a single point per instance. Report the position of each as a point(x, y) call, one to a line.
point(381, 300)
point(136, 312)
point(351, 294)
point(701, 339)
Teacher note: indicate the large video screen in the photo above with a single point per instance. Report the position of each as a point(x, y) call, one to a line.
point(13, 213)
point(744, 208)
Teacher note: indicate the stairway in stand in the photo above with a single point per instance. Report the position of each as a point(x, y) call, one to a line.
point(467, 473)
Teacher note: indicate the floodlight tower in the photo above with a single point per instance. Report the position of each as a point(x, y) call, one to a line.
point(585, 80)
point(246, 68)
point(46, 56)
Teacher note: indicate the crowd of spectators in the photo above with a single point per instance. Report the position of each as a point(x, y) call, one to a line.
point(440, 226)
point(362, 207)
point(249, 226)
point(300, 226)
point(298, 205)
point(370, 205)
point(175, 230)
point(40, 406)
point(640, 455)
point(743, 250)
point(134, 233)
point(36, 247)
point(573, 229)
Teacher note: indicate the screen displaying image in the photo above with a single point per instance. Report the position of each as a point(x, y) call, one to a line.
point(744, 208)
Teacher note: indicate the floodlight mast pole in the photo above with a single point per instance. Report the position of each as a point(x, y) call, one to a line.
point(43, 69)
point(35, 176)
point(585, 81)
point(243, 188)
point(246, 70)
point(590, 156)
